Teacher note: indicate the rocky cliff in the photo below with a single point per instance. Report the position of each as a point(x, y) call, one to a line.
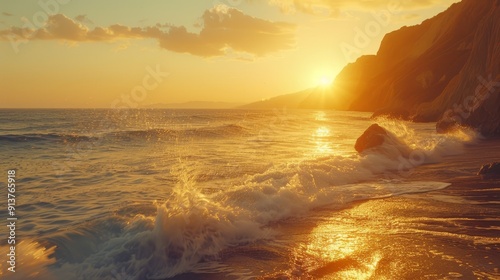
point(449, 71)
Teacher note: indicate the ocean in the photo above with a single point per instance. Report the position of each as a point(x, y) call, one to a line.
point(200, 194)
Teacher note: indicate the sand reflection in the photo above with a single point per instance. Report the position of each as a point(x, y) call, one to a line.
point(337, 252)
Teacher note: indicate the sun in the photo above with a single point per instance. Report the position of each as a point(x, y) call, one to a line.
point(325, 81)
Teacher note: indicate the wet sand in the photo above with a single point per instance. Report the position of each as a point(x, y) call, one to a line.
point(453, 233)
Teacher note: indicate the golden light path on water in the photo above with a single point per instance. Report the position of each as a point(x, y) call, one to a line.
point(322, 142)
point(326, 139)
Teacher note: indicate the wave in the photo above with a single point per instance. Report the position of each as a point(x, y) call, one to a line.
point(147, 134)
point(201, 132)
point(191, 228)
point(35, 260)
point(39, 137)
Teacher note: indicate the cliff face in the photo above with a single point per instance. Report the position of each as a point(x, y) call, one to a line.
point(446, 67)
point(472, 97)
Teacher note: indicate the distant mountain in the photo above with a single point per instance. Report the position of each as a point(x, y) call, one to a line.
point(447, 68)
point(315, 98)
point(196, 105)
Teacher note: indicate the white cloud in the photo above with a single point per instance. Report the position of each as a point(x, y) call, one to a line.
point(222, 28)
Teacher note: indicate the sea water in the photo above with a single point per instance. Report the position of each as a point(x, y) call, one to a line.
point(157, 193)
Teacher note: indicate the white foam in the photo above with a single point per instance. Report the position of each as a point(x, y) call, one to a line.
point(32, 260)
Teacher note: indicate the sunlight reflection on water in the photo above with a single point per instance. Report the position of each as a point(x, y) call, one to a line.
point(321, 139)
point(339, 253)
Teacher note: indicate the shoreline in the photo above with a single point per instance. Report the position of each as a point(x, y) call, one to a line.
point(451, 233)
point(444, 234)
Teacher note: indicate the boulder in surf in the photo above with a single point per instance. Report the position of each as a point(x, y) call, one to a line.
point(373, 136)
point(490, 170)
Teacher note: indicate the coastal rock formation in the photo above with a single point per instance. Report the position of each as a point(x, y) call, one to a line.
point(446, 125)
point(491, 170)
point(450, 71)
point(374, 136)
point(381, 141)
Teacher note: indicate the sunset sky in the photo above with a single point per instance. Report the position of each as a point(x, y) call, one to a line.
point(75, 53)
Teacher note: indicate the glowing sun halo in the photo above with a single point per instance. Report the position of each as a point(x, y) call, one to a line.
point(325, 81)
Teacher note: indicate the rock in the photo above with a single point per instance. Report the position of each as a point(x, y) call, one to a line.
point(374, 136)
point(382, 142)
point(491, 170)
point(446, 125)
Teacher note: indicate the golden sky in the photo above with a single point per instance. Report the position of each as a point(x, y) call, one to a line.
point(76, 53)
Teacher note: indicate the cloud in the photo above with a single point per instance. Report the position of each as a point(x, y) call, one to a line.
point(83, 19)
point(334, 7)
point(62, 27)
point(223, 29)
